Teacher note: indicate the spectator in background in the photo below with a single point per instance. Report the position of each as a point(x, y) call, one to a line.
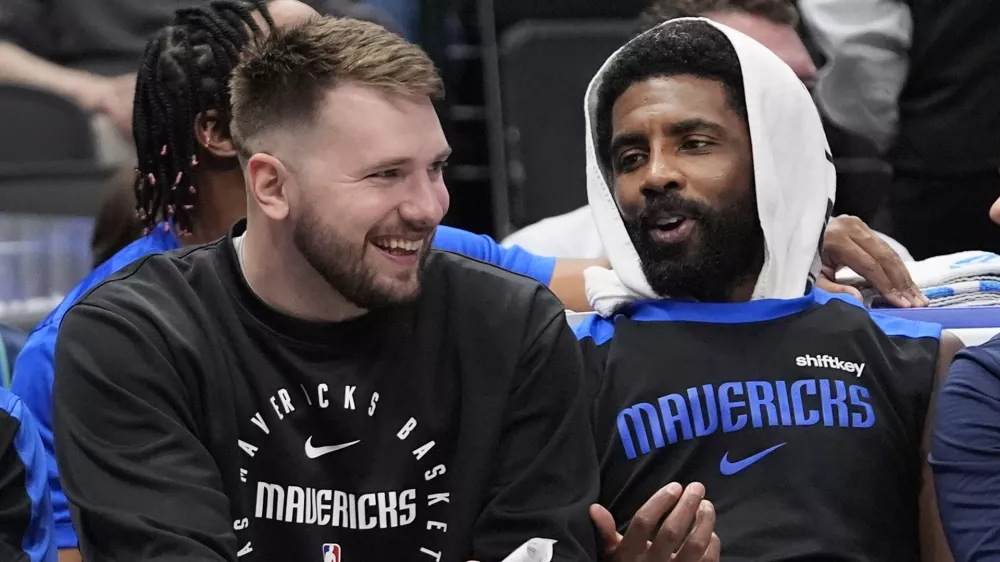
point(26, 533)
point(115, 225)
point(966, 449)
point(771, 23)
point(88, 51)
point(919, 78)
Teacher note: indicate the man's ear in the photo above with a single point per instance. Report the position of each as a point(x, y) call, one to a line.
point(267, 182)
point(213, 134)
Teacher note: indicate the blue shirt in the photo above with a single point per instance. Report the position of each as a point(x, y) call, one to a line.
point(25, 507)
point(34, 369)
point(965, 453)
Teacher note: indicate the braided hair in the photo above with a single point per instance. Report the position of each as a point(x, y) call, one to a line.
point(184, 72)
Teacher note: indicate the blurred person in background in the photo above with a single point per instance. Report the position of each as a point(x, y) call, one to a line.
point(115, 225)
point(88, 52)
point(26, 531)
point(966, 449)
point(919, 79)
point(772, 23)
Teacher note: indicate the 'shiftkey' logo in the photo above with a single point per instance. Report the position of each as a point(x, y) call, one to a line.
point(829, 362)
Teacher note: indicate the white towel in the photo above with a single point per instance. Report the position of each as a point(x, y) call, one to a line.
point(794, 175)
point(963, 279)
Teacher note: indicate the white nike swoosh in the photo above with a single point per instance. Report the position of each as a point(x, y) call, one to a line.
point(317, 452)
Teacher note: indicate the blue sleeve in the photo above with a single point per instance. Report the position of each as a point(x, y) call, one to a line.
point(965, 455)
point(484, 248)
point(26, 512)
point(33, 376)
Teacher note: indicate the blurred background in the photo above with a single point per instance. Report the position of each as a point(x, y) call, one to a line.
point(910, 90)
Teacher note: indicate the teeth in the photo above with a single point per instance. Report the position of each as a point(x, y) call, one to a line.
point(400, 244)
point(669, 221)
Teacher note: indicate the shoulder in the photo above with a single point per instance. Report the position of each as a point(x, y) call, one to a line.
point(153, 285)
point(891, 326)
point(488, 291)
point(975, 371)
point(153, 243)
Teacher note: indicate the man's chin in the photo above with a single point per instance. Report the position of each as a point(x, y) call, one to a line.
point(395, 289)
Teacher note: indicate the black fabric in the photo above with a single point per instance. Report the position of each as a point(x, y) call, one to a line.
point(40, 127)
point(938, 215)
point(109, 36)
point(15, 504)
point(185, 408)
point(106, 36)
point(543, 114)
point(949, 114)
point(811, 497)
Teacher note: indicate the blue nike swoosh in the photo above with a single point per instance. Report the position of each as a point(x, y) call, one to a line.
point(730, 468)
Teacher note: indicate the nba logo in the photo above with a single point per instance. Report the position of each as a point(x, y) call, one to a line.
point(331, 552)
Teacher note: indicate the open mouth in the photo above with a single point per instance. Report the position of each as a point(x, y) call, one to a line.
point(672, 229)
point(399, 249)
point(670, 223)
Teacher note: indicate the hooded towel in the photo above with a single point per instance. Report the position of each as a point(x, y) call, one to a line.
point(793, 171)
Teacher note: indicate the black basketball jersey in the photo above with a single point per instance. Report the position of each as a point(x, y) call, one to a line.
point(802, 417)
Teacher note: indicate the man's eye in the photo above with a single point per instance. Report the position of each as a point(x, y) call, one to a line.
point(695, 144)
point(386, 174)
point(630, 161)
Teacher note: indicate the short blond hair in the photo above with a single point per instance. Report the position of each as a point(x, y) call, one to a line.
point(283, 77)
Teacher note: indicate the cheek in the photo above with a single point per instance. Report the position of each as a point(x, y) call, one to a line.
point(722, 181)
point(443, 197)
point(628, 194)
point(995, 212)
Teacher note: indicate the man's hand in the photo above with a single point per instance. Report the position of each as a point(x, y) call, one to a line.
point(850, 243)
point(672, 542)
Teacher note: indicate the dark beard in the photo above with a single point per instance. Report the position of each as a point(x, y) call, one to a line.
point(726, 250)
point(343, 266)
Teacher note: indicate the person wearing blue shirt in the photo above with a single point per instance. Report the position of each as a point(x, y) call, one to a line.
point(965, 452)
point(194, 191)
point(26, 533)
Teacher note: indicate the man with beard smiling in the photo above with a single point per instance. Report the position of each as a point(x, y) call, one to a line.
point(715, 356)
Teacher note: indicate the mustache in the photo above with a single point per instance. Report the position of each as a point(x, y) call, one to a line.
point(670, 203)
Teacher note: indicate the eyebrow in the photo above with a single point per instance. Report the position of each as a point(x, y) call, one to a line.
point(396, 162)
point(626, 139)
point(678, 129)
point(695, 124)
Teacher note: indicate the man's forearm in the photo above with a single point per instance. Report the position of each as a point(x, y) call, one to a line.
point(20, 66)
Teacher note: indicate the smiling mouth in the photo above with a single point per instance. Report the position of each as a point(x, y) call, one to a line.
point(399, 246)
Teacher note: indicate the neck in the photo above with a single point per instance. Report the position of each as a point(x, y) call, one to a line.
point(284, 280)
point(742, 290)
point(742, 287)
point(221, 202)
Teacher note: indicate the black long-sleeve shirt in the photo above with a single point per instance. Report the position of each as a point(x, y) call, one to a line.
point(196, 423)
